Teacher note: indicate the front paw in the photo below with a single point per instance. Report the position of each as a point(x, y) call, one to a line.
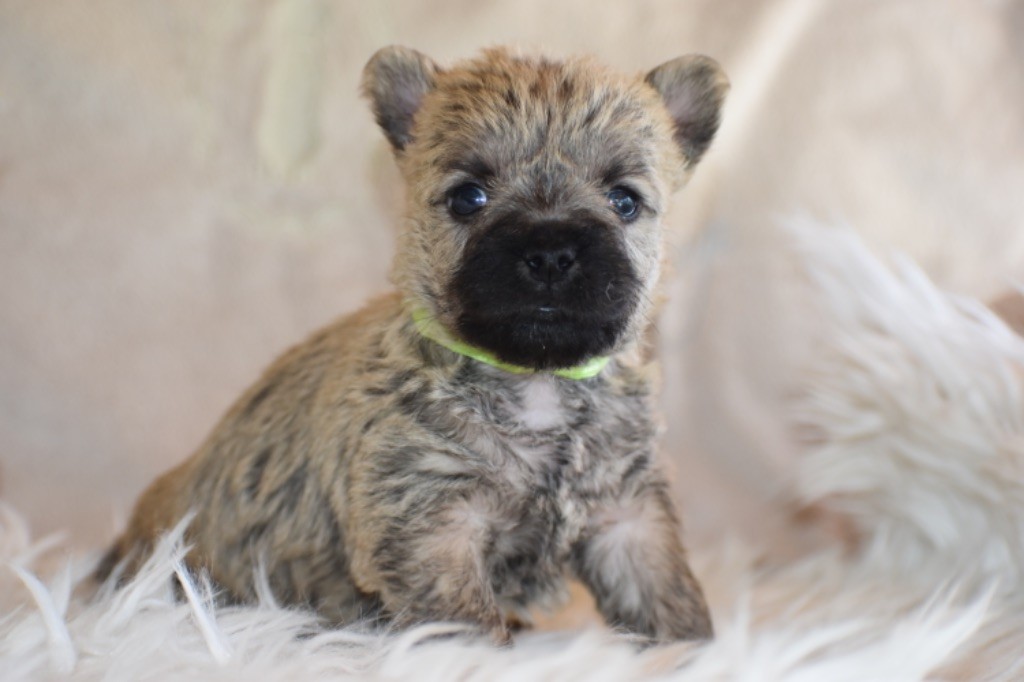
point(500, 635)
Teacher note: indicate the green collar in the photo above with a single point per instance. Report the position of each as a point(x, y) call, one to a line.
point(429, 327)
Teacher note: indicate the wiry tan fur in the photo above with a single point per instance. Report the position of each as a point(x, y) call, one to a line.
point(376, 474)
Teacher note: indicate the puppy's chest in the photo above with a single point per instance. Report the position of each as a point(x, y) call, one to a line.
point(531, 439)
point(531, 435)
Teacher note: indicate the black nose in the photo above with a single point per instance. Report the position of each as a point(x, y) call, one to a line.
point(551, 265)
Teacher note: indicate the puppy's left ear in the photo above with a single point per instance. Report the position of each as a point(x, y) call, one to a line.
point(693, 89)
point(395, 81)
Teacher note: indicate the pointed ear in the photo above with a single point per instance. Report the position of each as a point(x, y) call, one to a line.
point(395, 81)
point(693, 89)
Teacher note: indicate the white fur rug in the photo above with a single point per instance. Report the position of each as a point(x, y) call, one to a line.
point(913, 417)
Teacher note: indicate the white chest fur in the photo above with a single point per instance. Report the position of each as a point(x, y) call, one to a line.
point(532, 423)
point(540, 404)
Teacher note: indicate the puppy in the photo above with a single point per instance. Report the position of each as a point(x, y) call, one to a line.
point(456, 448)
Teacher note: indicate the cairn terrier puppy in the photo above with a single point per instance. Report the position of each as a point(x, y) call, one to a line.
point(457, 448)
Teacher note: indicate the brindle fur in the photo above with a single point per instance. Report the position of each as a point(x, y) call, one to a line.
point(375, 473)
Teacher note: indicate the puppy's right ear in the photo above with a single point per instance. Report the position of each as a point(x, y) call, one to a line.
point(395, 81)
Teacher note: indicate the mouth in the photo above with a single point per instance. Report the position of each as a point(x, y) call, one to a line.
point(543, 337)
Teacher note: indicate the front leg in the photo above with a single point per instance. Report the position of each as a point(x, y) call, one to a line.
point(423, 553)
point(631, 558)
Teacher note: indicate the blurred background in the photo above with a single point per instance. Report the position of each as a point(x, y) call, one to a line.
point(189, 187)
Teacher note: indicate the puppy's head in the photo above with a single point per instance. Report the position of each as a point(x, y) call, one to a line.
point(535, 191)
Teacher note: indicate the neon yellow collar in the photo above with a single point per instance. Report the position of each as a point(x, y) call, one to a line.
point(429, 327)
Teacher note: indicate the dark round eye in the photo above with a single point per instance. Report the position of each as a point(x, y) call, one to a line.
point(624, 202)
point(467, 199)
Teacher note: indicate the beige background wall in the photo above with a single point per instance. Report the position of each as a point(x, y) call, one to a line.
point(188, 187)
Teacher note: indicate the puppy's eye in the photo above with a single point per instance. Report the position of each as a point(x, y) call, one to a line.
point(467, 199)
point(624, 202)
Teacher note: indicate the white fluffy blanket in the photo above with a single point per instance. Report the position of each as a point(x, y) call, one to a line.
point(913, 418)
